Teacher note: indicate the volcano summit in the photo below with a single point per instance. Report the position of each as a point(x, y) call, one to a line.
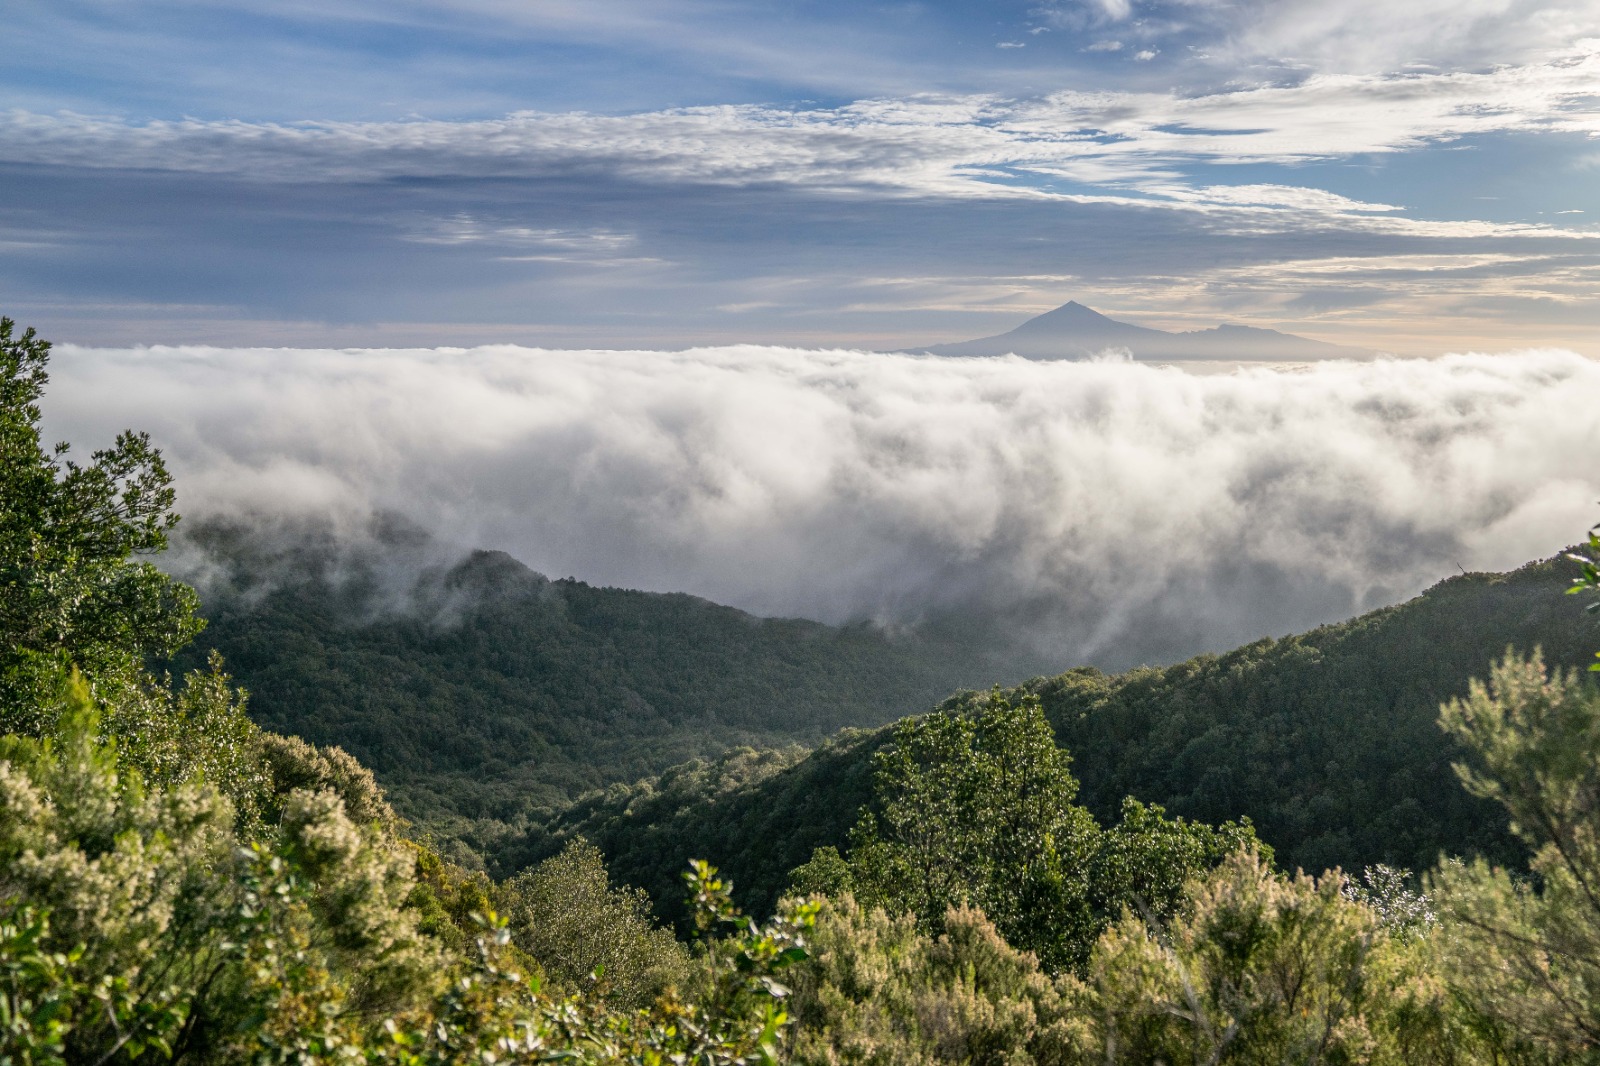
point(1073, 331)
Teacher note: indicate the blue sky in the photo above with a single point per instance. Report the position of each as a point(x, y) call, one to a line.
point(657, 173)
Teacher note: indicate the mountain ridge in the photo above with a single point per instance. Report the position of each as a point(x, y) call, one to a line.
point(483, 693)
point(1075, 331)
point(1326, 740)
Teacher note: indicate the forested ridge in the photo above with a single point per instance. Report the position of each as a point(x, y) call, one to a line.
point(178, 884)
point(486, 696)
point(507, 713)
point(1328, 741)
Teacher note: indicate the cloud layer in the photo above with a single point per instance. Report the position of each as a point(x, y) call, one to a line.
point(1090, 147)
point(1112, 512)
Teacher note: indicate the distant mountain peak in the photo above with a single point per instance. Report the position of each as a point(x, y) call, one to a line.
point(1075, 331)
point(1070, 315)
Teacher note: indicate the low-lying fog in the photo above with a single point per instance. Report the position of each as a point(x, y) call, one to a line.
point(1110, 512)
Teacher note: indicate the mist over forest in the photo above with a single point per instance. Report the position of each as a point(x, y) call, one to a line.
point(1089, 512)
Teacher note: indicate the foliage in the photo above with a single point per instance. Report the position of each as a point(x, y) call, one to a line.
point(171, 735)
point(566, 914)
point(1588, 579)
point(174, 936)
point(71, 591)
point(1527, 952)
point(449, 903)
point(742, 1003)
point(880, 990)
point(73, 596)
point(1255, 968)
point(37, 993)
point(132, 922)
point(757, 813)
point(292, 765)
point(490, 1012)
point(1388, 894)
point(975, 808)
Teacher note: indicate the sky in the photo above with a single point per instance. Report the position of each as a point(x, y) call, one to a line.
point(1415, 177)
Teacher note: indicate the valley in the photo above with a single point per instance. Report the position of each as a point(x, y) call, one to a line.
point(506, 713)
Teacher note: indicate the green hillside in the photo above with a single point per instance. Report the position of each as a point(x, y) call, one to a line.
point(486, 696)
point(1327, 741)
point(509, 712)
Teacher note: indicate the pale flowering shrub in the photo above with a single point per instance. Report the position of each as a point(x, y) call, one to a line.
point(178, 938)
point(1388, 893)
point(136, 924)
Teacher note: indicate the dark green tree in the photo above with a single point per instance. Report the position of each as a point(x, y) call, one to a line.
point(977, 809)
point(73, 589)
point(974, 807)
point(1526, 951)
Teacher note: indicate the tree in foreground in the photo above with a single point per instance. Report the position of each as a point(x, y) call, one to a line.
point(880, 989)
point(1525, 952)
point(172, 936)
point(589, 934)
point(1257, 967)
point(72, 586)
point(78, 592)
point(974, 808)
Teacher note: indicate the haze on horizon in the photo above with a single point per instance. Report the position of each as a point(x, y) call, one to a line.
point(656, 174)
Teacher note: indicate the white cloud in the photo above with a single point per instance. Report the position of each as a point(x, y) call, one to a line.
point(1073, 14)
point(1130, 144)
point(466, 229)
point(1374, 36)
point(1280, 196)
point(1284, 38)
point(1135, 512)
point(1397, 264)
point(1144, 55)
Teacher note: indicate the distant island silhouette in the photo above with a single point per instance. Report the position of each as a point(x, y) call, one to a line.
point(1073, 331)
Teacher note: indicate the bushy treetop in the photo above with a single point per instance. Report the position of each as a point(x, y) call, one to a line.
point(72, 590)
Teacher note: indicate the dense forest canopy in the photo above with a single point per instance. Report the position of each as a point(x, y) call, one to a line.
point(487, 697)
point(1327, 741)
point(505, 712)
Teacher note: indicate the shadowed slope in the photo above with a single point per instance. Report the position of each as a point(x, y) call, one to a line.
point(483, 694)
point(1326, 740)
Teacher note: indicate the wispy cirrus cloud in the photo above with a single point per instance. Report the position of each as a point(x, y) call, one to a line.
point(1131, 146)
point(1295, 38)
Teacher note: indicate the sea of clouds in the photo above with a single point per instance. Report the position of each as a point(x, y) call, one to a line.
point(1107, 512)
